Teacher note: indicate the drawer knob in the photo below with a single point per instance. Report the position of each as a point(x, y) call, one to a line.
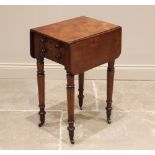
point(58, 53)
point(43, 52)
point(58, 57)
point(57, 46)
point(42, 39)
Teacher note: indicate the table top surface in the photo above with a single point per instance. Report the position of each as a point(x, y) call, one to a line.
point(75, 29)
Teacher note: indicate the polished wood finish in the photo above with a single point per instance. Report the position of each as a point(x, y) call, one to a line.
point(41, 89)
point(76, 29)
point(79, 44)
point(81, 85)
point(100, 49)
point(70, 105)
point(100, 40)
point(110, 79)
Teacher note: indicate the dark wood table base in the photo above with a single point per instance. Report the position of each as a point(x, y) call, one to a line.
point(78, 51)
point(70, 94)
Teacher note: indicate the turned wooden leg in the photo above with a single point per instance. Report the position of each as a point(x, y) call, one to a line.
point(41, 90)
point(70, 105)
point(110, 79)
point(81, 84)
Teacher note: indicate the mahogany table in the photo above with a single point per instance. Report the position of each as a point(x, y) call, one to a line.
point(79, 44)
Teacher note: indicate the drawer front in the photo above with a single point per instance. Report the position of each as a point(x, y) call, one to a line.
point(48, 48)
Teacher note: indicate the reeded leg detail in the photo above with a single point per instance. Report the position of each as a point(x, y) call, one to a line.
point(41, 90)
point(81, 85)
point(70, 106)
point(110, 79)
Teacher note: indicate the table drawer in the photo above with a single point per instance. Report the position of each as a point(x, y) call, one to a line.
point(48, 48)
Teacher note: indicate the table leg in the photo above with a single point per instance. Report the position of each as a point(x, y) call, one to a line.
point(41, 89)
point(70, 105)
point(110, 79)
point(81, 84)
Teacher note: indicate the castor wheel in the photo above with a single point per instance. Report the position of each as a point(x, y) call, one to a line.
point(42, 118)
point(72, 141)
point(41, 124)
point(109, 121)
